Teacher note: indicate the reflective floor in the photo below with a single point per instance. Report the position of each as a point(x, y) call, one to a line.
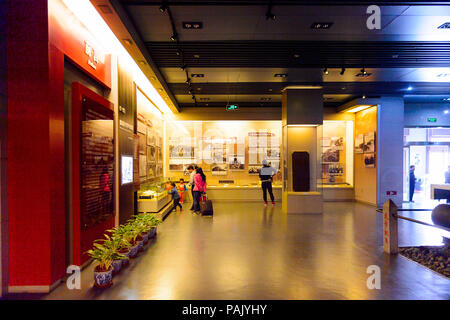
point(249, 252)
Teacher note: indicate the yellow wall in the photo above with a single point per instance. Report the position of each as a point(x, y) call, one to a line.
point(365, 178)
point(220, 130)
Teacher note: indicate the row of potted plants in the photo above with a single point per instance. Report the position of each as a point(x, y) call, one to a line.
point(119, 245)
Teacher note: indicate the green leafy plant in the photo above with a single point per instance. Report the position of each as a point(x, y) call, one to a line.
point(104, 252)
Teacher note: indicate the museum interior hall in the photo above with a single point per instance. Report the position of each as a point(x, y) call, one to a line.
point(224, 150)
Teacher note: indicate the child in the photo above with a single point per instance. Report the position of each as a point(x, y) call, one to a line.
point(175, 197)
point(182, 188)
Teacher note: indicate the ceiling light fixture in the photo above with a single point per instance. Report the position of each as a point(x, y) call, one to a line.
point(409, 88)
point(445, 99)
point(163, 8)
point(445, 111)
point(321, 25)
point(363, 73)
point(296, 56)
point(357, 108)
point(280, 75)
point(364, 96)
point(174, 37)
point(342, 71)
point(197, 75)
point(325, 71)
point(269, 14)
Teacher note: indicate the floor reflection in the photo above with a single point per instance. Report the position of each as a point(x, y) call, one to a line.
point(247, 251)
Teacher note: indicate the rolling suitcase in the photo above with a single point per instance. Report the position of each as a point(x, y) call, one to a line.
point(206, 207)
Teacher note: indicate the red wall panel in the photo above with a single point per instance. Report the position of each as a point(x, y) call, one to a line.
point(28, 143)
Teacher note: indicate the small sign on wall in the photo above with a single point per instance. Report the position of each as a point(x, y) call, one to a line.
point(391, 193)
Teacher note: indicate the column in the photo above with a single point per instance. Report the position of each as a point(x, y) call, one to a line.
point(302, 120)
point(390, 125)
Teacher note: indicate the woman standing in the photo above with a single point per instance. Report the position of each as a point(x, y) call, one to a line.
point(199, 188)
point(266, 175)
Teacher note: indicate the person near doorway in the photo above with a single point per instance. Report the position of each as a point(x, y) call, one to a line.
point(192, 173)
point(447, 176)
point(266, 175)
point(447, 179)
point(412, 182)
point(199, 188)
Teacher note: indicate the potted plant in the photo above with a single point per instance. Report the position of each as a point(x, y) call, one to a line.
point(153, 222)
point(123, 237)
point(104, 254)
point(137, 228)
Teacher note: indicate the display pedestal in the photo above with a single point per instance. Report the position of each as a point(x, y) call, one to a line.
point(338, 193)
point(303, 203)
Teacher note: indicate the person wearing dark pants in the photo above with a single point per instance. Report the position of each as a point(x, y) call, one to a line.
point(200, 187)
point(192, 173)
point(266, 175)
point(267, 186)
point(412, 182)
point(175, 197)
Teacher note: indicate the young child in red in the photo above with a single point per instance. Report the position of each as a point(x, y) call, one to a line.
point(181, 189)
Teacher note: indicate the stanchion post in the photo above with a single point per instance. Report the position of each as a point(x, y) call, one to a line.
point(390, 227)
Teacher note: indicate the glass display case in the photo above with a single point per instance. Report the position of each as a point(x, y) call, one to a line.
point(337, 154)
point(153, 196)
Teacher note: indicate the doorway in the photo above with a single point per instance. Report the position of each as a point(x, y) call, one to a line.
point(428, 150)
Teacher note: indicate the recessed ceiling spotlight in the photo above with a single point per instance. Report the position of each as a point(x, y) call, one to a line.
point(443, 75)
point(270, 16)
point(444, 26)
point(321, 25)
point(325, 71)
point(163, 8)
point(409, 88)
point(128, 41)
point(266, 99)
point(364, 96)
point(342, 71)
point(445, 99)
point(178, 53)
point(445, 111)
point(197, 75)
point(153, 78)
point(280, 75)
point(174, 37)
point(363, 73)
point(160, 90)
point(196, 56)
point(270, 89)
point(193, 25)
point(296, 55)
point(188, 80)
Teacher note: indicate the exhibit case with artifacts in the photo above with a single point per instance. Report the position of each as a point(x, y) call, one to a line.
point(153, 196)
point(229, 152)
point(302, 169)
point(337, 159)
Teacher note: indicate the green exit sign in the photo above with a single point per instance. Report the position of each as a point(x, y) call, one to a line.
point(232, 107)
point(432, 119)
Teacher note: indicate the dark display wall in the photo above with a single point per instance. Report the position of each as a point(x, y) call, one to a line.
point(127, 128)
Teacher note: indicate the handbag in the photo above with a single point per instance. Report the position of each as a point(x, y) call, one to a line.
point(203, 197)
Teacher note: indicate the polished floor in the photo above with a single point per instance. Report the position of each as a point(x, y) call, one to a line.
point(250, 252)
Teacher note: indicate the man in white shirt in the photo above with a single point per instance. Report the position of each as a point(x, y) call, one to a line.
point(192, 173)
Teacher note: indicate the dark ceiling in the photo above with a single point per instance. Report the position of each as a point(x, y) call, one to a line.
point(239, 50)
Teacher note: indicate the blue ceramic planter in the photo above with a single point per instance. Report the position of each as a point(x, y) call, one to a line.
point(117, 265)
point(103, 279)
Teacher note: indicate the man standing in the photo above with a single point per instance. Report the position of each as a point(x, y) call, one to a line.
point(412, 182)
point(192, 173)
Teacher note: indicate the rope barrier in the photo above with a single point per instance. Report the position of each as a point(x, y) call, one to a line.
point(417, 221)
